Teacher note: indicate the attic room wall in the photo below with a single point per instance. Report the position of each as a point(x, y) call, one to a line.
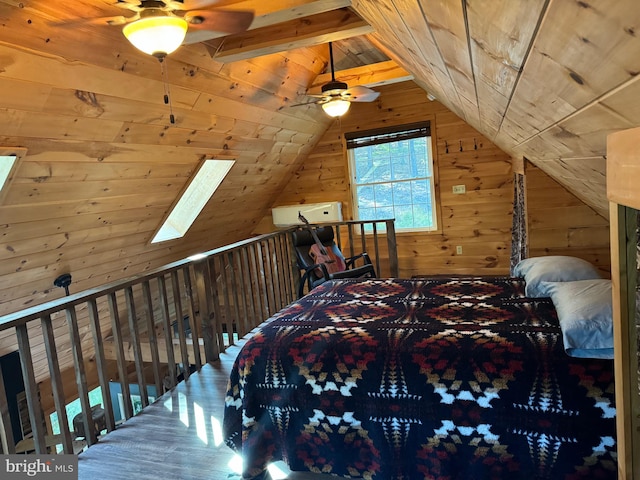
point(104, 164)
point(479, 221)
point(561, 224)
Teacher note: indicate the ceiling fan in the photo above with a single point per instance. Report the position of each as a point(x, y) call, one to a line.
point(158, 27)
point(336, 97)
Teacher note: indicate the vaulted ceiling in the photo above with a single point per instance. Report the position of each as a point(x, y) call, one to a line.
point(543, 79)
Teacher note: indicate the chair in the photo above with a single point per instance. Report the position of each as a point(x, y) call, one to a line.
point(313, 274)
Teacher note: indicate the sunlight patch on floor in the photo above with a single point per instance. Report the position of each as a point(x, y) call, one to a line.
point(277, 470)
point(216, 426)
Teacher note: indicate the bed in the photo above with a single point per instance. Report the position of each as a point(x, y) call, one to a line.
point(432, 378)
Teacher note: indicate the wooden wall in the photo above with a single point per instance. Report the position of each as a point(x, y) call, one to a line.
point(479, 221)
point(561, 224)
point(103, 164)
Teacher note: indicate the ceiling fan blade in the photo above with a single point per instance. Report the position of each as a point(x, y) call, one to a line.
point(190, 4)
point(360, 94)
point(105, 21)
point(134, 6)
point(306, 103)
point(225, 21)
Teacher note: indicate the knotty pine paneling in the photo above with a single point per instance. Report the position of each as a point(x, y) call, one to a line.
point(561, 224)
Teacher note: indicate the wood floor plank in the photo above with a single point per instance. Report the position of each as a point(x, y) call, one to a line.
point(176, 437)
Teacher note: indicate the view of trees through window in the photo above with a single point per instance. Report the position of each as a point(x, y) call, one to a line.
point(395, 180)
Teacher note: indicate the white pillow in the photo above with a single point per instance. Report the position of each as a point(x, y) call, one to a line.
point(585, 313)
point(552, 268)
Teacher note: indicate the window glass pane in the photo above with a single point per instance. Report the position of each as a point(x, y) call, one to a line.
point(367, 214)
point(402, 193)
point(381, 162)
point(383, 195)
point(385, 212)
point(422, 214)
point(420, 191)
point(365, 196)
point(364, 165)
point(419, 157)
point(404, 216)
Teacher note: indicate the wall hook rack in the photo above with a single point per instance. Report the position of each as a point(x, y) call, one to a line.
point(446, 147)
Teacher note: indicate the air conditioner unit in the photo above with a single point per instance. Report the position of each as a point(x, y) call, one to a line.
point(314, 213)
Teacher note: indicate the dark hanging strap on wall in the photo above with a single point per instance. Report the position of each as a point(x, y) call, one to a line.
point(519, 246)
point(387, 135)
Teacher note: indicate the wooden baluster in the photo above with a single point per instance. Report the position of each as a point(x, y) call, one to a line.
point(192, 320)
point(216, 299)
point(81, 377)
point(101, 364)
point(376, 248)
point(168, 334)
point(392, 247)
point(6, 431)
point(208, 319)
point(235, 293)
point(118, 343)
point(134, 333)
point(247, 287)
point(56, 382)
point(31, 389)
point(177, 302)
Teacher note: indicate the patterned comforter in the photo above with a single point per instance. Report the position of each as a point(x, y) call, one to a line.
point(421, 379)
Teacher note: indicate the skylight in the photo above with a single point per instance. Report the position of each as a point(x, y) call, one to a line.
point(6, 164)
point(195, 197)
point(9, 157)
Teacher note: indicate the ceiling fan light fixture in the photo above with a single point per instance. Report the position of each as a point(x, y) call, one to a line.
point(336, 107)
point(156, 35)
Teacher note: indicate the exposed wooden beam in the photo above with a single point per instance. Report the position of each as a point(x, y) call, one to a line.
point(376, 74)
point(313, 30)
point(271, 13)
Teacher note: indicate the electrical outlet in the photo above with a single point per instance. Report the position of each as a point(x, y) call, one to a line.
point(459, 250)
point(459, 189)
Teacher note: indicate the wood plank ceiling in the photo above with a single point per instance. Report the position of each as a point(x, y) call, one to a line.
point(545, 79)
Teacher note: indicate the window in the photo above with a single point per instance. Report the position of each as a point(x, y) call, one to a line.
point(392, 175)
point(193, 200)
point(74, 408)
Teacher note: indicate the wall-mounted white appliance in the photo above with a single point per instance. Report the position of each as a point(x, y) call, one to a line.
point(287, 215)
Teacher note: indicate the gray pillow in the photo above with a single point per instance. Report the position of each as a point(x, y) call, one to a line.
point(585, 313)
point(552, 268)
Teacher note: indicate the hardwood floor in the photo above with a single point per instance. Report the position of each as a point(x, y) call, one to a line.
point(177, 437)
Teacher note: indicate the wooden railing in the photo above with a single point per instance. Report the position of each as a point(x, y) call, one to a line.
point(154, 329)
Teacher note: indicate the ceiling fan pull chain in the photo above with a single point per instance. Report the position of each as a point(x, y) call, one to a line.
point(167, 96)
